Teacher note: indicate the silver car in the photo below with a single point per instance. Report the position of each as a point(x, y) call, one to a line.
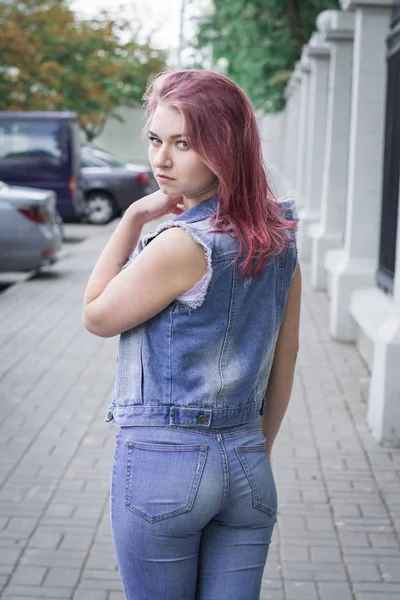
point(30, 228)
point(111, 185)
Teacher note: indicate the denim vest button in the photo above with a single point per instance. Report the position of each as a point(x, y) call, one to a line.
point(202, 419)
point(109, 415)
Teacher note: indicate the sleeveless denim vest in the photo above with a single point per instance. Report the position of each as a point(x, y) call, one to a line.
point(205, 359)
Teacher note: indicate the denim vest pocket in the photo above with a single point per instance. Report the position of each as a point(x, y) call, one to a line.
point(177, 470)
point(256, 465)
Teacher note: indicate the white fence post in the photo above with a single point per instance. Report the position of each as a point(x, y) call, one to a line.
point(354, 266)
point(338, 29)
point(318, 53)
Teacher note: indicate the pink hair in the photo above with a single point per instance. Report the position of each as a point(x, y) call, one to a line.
point(221, 127)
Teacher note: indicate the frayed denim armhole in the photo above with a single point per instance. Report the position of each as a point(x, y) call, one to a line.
point(289, 211)
point(288, 207)
point(194, 297)
point(131, 258)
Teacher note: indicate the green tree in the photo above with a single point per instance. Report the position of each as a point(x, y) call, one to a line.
point(50, 60)
point(262, 39)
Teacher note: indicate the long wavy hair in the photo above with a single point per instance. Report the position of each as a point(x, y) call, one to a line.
point(220, 125)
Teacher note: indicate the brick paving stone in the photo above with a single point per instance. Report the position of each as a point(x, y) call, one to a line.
point(21, 527)
point(100, 584)
point(265, 595)
point(364, 554)
point(375, 596)
point(295, 553)
point(5, 570)
point(91, 595)
point(11, 596)
point(29, 575)
point(101, 560)
point(53, 558)
point(43, 538)
point(325, 555)
point(334, 591)
point(272, 571)
point(353, 540)
point(30, 591)
point(390, 570)
point(300, 590)
point(384, 588)
point(9, 556)
point(62, 577)
point(100, 574)
point(364, 573)
point(339, 509)
point(76, 542)
point(385, 540)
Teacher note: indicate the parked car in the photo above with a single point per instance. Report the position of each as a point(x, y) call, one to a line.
point(111, 185)
point(42, 150)
point(30, 228)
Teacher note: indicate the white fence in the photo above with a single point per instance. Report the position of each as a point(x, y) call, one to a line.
point(331, 159)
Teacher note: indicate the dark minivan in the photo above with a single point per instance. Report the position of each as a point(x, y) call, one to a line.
point(42, 150)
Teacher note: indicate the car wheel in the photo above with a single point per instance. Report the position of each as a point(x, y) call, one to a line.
point(100, 208)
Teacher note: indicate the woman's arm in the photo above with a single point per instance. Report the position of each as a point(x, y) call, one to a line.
point(117, 251)
point(117, 300)
point(280, 382)
point(124, 239)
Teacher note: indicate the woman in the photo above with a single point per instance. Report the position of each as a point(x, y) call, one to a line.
point(208, 314)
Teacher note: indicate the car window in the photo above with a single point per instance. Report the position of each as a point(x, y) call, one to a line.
point(32, 140)
point(110, 160)
point(107, 159)
point(87, 161)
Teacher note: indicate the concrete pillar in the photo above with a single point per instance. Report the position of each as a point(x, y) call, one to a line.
point(291, 129)
point(318, 53)
point(384, 392)
point(338, 29)
point(302, 142)
point(396, 283)
point(272, 135)
point(355, 265)
point(287, 120)
point(295, 100)
point(378, 318)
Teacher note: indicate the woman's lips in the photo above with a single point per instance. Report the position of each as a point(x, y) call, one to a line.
point(165, 177)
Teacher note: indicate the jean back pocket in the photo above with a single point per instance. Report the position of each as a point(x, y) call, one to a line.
point(162, 479)
point(256, 465)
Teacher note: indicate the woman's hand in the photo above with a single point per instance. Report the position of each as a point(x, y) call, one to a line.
point(156, 205)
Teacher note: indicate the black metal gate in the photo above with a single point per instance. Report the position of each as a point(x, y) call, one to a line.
point(391, 169)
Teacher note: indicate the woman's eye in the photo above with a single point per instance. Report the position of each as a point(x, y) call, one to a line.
point(154, 140)
point(184, 146)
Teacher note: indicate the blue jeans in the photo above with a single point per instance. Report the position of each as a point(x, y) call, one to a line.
point(192, 511)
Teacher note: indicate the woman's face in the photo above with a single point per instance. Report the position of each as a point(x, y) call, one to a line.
point(170, 155)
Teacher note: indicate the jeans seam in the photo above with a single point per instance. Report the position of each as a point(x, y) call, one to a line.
point(208, 433)
point(225, 472)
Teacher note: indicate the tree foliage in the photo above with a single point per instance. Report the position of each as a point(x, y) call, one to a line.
point(50, 60)
point(262, 39)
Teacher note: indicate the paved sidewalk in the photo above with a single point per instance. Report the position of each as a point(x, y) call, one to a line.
point(339, 515)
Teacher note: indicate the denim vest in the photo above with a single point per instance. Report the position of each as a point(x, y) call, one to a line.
point(205, 359)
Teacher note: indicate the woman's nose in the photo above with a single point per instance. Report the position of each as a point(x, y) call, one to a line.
point(162, 158)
